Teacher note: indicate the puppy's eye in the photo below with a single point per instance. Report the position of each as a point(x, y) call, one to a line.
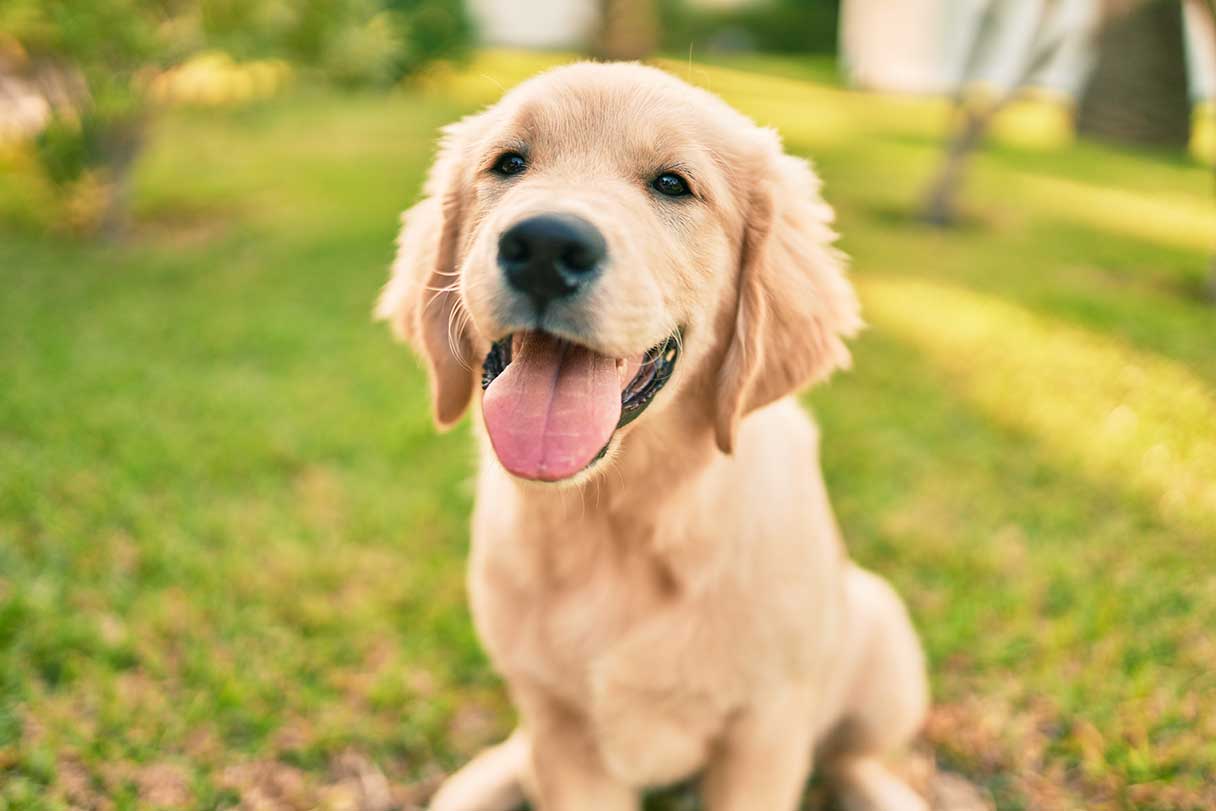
point(670, 184)
point(512, 163)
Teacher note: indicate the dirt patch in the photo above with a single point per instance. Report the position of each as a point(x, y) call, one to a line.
point(473, 727)
point(163, 785)
point(180, 227)
point(1010, 746)
point(267, 785)
point(76, 787)
point(951, 792)
point(354, 783)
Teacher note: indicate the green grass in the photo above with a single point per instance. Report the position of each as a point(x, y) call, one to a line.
point(231, 545)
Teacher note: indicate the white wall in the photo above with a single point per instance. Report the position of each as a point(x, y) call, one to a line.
point(893, 44)
point(1004, 57)
point(549, 24)
point(925, 45)
point(1200, 51)
point(1071, 65)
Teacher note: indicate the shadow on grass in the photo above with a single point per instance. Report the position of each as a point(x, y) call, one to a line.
point(911, 218)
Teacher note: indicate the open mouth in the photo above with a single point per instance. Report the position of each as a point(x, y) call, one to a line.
point(552, 406)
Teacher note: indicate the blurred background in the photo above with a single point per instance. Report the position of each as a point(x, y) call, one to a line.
point(231, 543)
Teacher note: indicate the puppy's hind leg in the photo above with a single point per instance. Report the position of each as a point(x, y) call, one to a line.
point(888, 699)
point(495, 780)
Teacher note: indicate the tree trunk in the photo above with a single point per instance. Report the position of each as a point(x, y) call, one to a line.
point(976, 111)
point(941, 203)
point(1138, 93)
point(121, 146)
point(629, 29)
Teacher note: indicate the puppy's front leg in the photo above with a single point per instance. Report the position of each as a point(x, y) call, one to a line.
point(764, 758)
point(568, 771)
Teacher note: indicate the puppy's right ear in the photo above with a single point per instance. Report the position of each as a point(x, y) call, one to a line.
point(421, 300)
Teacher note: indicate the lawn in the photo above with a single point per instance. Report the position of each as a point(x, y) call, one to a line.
point(231, 544)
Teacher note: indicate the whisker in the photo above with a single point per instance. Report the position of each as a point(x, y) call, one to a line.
point(457, 321)
point(438, 295)
point(614, 469)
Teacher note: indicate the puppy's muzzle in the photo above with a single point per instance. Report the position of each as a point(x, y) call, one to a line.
point(551, 256)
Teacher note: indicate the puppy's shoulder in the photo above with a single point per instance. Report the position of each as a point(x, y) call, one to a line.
point(784, 425)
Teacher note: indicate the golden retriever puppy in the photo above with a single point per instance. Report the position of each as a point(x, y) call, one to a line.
point(630, 279)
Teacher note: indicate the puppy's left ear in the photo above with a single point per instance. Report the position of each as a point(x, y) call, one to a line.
point(421, 301)
point(794, 307)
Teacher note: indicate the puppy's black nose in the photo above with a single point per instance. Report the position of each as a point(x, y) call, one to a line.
point(551, 256)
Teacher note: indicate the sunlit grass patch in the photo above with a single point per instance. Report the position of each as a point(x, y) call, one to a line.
point(1037, 122)
point(214, 78)
point(489, 74)
point(814, 113)
point(803, 111)
point(1203, 133)
point(1132, 421)
point(1165, 219)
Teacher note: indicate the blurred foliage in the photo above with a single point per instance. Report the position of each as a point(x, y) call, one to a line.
point(65, 149)
point(362, 42)
point(777, 26)
point(430, 30)
point(121, 56)
point(110, 43)
point(214, 78)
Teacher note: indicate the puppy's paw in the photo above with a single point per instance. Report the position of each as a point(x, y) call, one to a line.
point(865, 784)
point(492, 781)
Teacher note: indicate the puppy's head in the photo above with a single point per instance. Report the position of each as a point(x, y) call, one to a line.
point(606, 241)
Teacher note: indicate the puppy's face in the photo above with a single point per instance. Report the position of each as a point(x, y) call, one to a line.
point(592, 243)
point(598, 212)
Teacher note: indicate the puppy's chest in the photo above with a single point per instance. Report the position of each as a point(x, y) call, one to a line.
point(552, 611)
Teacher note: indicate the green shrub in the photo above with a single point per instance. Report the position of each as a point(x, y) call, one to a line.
point(781, 26)
point(65, 149)
point(382, 42)
point(110, 49)
point(365, 53)
point(431, 30)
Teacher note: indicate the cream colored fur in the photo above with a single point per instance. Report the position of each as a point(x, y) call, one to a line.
point(685, 607)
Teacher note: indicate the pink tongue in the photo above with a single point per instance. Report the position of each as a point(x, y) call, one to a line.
point(553, 409)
